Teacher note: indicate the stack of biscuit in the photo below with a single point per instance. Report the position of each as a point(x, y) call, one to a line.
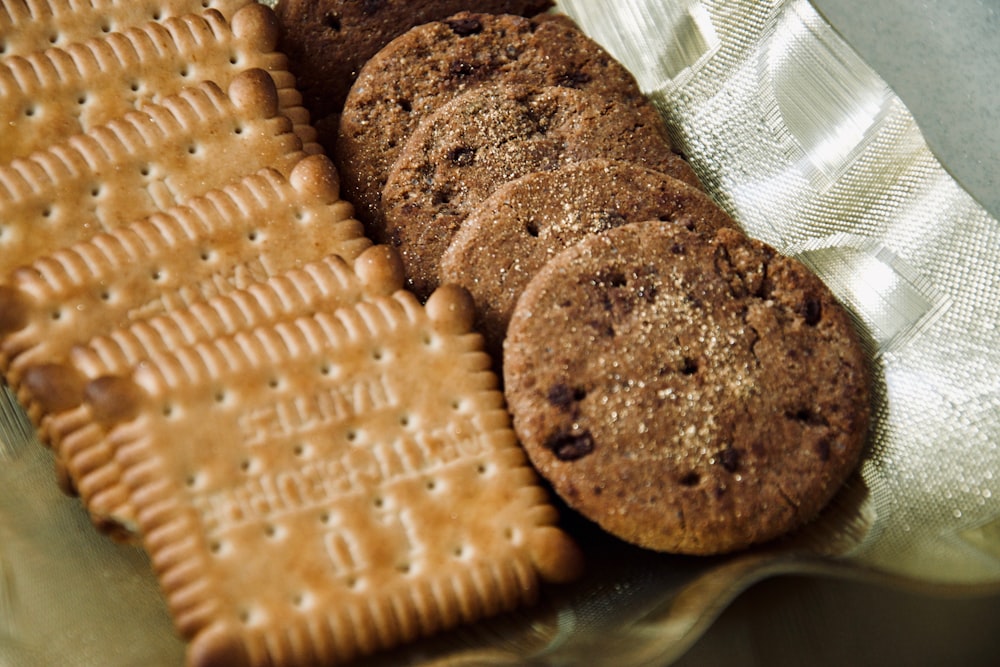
point(685, 387)
point(227, 370)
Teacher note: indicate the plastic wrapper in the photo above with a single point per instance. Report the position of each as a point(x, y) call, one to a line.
point(811, 152)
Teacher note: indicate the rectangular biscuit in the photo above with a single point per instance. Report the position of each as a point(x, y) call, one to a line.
point(143, 162)
point(323, 286)
point(50, 95)
point(303, 449)
point(27, 26)
point(226, 240)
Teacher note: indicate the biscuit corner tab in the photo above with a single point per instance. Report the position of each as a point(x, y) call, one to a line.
point(557, 558)
point(452, 309)
point(258, 24)
point(317, 176)
point(255, 88)
point(13, 310)
point(112, 398)
point(53, 387)
point(380, 269)
point(217, 645)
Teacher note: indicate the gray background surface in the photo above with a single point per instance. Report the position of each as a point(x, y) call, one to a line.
point(942, 58)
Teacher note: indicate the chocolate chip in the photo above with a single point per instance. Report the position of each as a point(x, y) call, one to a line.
point(332, 21)
point(570, 446)
point(369, 7)
point(612, 279)
point(812, 311)
point(464, 27)
point(573, 79)
point(563, 396)
point(730, 459)
point(690, 479)
point(823, 449)
point(689, 366)
point(461, 156)
point(807, 417)
point(461, 70)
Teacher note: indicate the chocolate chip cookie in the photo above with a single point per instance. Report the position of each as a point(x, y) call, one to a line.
point(432, 63)
point(328, 41)
point(489, 136)
point(690, 393)
point(514, 231)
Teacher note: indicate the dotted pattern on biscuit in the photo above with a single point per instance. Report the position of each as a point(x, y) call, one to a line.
point(323, 286)
point(374, 555)
point(51, 95)
point(159, 157)
point(27, 26)
point(223, 241)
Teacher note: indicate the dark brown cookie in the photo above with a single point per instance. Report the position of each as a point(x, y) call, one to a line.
point(489, 136)
point(689, 393)
point(327, 41)
point(420, 70)
point(519, 227)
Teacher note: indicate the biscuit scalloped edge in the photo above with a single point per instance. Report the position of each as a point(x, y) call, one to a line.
point(128, 144)
point(258, 25)
point(77, 439)
point(180, 553)
point(51, 386)
point(32, 26)
point(58, 74)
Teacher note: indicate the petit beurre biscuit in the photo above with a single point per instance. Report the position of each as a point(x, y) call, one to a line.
point(227, 239)
point(326, 285)
point(390, 512)
point(143, 162)
point(50, 95)
point(27, 26)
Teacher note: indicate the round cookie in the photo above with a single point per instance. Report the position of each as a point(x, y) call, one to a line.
point(432, 63)
point(522, 224)
point(328, 41)
point(491, 135)
point(689, 393)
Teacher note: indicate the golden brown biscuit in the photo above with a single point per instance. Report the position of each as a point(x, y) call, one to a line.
point(27, 26)
point(50, 95)
point(323, 286)
point(146, 161)
point(226, 240)
point(302, 449)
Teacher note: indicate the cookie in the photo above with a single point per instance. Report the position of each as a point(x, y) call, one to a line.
point(141, 163)
point(50, 95)
point(689, 393)
point(508, 237)
point(226, 240)
point(26, 27)
point(422, 69)
point(302, 449)
point(491, 135)
point(323, 286)
point(328, 41)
